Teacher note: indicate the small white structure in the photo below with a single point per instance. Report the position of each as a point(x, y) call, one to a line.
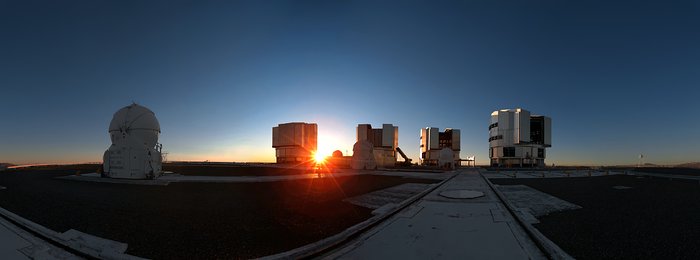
point(517, 138)
point(135, 152)
point(433, 142)
point(295, 142)
point(363, 156)
point(384, 141)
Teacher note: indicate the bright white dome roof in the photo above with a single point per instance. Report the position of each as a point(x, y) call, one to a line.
point(134, 117)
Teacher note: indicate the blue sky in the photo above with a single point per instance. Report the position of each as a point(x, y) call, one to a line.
point(618, 78)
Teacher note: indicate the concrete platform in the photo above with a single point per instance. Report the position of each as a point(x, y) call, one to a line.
point(547, 174)
point(534, 202)
point(445, 228)
point(16, 243)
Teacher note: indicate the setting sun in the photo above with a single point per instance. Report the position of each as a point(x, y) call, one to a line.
point(319, 157)
point(329, 141)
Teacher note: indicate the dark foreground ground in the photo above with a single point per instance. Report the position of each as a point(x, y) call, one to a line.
point(655, 219)
point(677, 171)
point(193, 220)
point(231, 170)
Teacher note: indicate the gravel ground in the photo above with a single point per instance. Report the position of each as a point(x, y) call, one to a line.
point(654, 219)
point(194, 220)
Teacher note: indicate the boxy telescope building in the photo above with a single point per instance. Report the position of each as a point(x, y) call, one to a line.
point(517, 138)
point(384, 140)
point(295, 142)
point(440, 148)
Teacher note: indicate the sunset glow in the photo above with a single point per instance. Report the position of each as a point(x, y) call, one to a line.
point(319, 158)
point(327, 143)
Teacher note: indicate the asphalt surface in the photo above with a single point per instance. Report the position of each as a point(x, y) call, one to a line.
point(194, 220)
point(655, 218)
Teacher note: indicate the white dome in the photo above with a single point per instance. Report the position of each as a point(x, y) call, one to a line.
point(138, 122)
point(134, 116)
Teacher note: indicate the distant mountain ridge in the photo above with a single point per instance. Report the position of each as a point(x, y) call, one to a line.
point(694, 165)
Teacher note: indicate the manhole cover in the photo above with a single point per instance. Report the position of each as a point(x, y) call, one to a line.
point(461, 194)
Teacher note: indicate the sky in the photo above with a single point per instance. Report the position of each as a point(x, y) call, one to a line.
point(618, 78)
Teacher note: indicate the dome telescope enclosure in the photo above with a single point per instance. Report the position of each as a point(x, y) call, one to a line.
point(135, 152)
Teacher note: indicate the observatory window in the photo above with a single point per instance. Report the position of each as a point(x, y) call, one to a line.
point(493, 125)
point(508, 151)
point(498, 137)
point(445, 139)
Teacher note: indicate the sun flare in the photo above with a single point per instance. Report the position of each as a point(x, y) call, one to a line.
point(319, 157)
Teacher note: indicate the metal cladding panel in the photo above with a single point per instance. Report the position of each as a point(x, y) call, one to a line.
point(522, 126)
point(387, 135)
point(547, 131)
point(396, 138)
point(275, 136)
point(285, 135)
point(295, 134)
point(311, 137)
point(434, 138)
point(293, 152)
point(432, 155)
point(456, 140)
point(363, 132)
point(504, 120)
point(423, 140)
point(519, 152)
point(494, 119)
point(298, 137)
point(505, 127)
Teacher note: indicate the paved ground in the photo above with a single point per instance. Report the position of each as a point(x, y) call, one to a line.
point(391, 195)
point(436, 227)
point(652, 219)
point(535, 202)
point(194, 220)
point(11, 242)
point(528, 174)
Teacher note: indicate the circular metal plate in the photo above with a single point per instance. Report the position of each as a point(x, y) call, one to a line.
point(461, 194)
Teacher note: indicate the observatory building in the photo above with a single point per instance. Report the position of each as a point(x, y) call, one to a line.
point(517, 138)
point(384, 142)
point(135, 152)
point(295, 142)
point(439, 148)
